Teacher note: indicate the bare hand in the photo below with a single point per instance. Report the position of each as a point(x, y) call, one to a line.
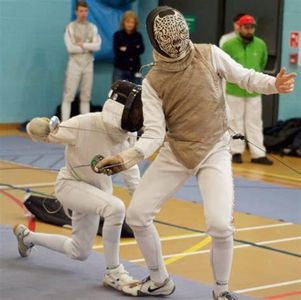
point(285, 82)
point(123, 48)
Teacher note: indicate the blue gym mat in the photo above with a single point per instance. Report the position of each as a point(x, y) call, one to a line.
point(49, 275)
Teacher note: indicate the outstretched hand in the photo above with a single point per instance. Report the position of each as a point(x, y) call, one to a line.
point(285, 82)
point(38, 129)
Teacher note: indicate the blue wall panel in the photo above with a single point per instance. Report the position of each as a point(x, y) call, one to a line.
point(290, 105)
point(33, 57)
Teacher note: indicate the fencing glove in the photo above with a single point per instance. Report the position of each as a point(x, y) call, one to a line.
point(38, 129)
point(120, 162)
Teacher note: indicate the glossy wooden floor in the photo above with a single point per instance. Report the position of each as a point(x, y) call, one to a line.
point(267, 252)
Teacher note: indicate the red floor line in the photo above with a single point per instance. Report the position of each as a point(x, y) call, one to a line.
point(279, 296)
point(31, 222)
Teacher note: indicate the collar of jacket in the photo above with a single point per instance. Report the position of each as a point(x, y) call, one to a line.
point(174, 64)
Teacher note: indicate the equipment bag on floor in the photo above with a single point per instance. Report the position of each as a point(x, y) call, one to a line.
point(50, 211)
point(284, 137)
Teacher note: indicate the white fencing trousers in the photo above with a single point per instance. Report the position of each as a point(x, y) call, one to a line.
point(77, 78)
point(247, 120)
point(162, 179)
point(87, 203)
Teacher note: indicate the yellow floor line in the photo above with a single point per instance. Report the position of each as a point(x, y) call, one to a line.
point(206, 251)
point(268, 174)
point(194, 248)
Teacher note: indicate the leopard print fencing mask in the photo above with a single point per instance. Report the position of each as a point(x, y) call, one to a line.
point(168, 31)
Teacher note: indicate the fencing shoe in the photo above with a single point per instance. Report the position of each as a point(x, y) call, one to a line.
point(236, 158)
point(21, 231)
point(117, 278)
point(262, 161)
point(224, 296)
point(149, 288)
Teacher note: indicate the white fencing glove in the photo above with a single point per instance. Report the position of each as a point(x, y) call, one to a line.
point(120, 162)
point(38, 129)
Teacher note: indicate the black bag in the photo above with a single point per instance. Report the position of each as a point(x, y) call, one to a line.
point(50, 211)
point(284, 137)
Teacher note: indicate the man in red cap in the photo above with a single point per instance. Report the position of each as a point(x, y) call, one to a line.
point(251, 52)
point(228, 36)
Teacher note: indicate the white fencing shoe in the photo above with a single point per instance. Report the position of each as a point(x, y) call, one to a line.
point(149, 288)
point(117, 278)
point(21, 231)
point(224, 296)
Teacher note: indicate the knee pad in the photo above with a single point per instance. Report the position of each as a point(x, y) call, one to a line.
point(220, 229)
point(115, 212)
point(76, 252)
point(135, 218)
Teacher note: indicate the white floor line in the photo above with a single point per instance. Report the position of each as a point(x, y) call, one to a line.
point(279, 241)
point(29, 185)
point(195, 235)
point(235, 247)
point(263, 226)
point(269, 286)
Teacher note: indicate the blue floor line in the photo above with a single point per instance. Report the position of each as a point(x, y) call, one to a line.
point(251, 196)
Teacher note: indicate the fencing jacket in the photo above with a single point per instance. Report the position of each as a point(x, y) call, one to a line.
point(82, 32)
point(86, 136)
point(159, 114)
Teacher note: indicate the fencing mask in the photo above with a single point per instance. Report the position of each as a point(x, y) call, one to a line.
point(168, 31)
point(128, 94)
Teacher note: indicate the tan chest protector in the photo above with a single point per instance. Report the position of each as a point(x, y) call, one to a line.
point(193, 104)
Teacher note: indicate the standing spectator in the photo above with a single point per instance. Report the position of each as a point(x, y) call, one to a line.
point(81, 39)
point(128, 46)
point(251, 52)
point(228, 36)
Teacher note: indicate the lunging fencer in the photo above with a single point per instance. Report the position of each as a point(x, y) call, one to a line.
point(79, 189)
point(184, 92)
point(81, 40)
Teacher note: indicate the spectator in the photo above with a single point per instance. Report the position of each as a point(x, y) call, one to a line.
point(81, 39)
point(251, 52)
point(228, 36)
point(128, 46)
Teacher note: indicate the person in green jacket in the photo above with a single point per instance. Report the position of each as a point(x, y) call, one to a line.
point(251, 52)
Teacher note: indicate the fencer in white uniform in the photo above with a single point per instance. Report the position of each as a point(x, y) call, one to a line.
point(81, 40)
point(183, 92)
point(88, 194)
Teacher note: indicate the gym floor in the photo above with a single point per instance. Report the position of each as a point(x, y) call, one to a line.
point(267, 251)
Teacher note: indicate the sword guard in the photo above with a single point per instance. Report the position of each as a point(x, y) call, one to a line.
point(97, 158)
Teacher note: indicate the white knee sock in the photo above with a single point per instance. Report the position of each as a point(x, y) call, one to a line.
point(111, 240)
point(66, 111)
point(221, 262)
point(84, 107)
point(54, 242)
point(149, 243)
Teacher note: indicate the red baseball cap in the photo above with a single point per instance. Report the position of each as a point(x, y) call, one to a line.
point(246, 19)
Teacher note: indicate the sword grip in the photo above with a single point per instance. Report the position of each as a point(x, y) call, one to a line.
point(97, 158)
